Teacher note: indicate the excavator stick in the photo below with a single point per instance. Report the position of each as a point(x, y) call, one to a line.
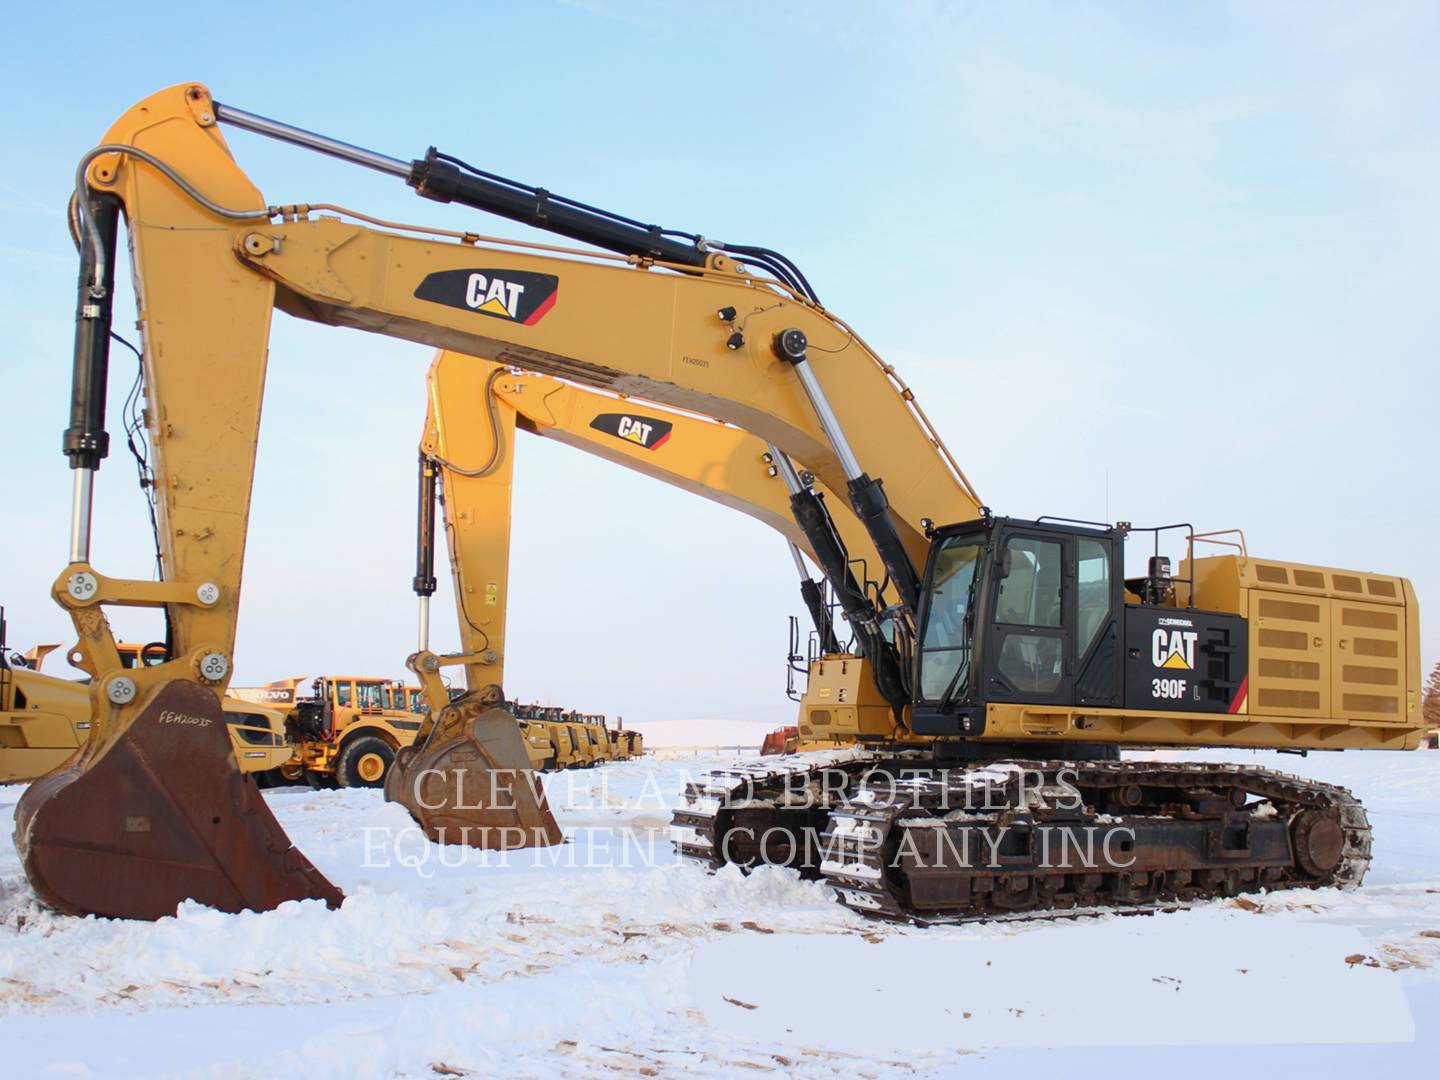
point(468, 780)
point(161, 811)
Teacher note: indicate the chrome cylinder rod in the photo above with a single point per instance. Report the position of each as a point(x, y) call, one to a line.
point(792, 347)
point(82, 497)
point(786, 468)
point(799, 563)
point(867, 496)
point(274, 129)
point(424, 637)
point(829, 423)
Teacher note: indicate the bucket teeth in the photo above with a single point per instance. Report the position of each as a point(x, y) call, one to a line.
point(142, 821)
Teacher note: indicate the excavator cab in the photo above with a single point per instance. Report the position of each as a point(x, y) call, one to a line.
point(1039, 613)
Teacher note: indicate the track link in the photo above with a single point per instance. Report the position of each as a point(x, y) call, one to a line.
point(903, 838)
point(772, 812)
point(982, 843)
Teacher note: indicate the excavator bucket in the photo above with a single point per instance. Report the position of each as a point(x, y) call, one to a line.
point(469, 781)
point(136, 823)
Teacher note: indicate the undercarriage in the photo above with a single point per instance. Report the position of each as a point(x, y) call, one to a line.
point(901, 836)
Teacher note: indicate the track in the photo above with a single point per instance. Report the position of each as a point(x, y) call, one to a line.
point(771, 812)
point(901, 840)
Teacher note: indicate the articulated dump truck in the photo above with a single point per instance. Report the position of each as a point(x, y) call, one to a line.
point(45, 719)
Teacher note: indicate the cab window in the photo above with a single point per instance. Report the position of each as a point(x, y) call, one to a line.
point(946, 644)
point(370, 695)
point(1029, 614)
point(1030, 590)
point(1092, 579)
point(342, 694)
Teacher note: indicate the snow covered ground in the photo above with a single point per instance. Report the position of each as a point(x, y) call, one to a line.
point(608, 958)
point(709, 732)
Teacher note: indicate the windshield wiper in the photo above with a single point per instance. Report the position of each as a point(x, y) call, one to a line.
point(962, 669)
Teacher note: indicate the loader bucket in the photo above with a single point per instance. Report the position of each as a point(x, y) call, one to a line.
point(139, 822)
point(470, 782)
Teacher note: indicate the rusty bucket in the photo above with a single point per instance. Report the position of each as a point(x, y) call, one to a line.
point(469, 781)
point(135, 824)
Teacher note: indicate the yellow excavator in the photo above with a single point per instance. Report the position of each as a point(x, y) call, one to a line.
point(995, 689)
point(468, 450)
point(347, 730)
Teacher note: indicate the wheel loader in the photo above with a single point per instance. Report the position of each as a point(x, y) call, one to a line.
point(620, 744)
point(998, 664)
point(572, 749)
point(595, 730)
point(569, 748)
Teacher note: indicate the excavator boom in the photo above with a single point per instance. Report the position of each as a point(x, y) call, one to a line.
point(212, 262)
point(473, 411)
point(468, 452)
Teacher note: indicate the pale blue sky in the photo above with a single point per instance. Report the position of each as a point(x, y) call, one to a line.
point(1189, 246)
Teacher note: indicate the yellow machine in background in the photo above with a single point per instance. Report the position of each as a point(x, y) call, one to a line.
point(622, 745)
point(569, 747)
point(345, 730)
point(474, 411)
point(1009, 643)
point(402, 698)
point(600, 740)
point(45, 719)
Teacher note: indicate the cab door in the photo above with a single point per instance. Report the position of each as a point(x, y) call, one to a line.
point(342, 705)
point(1095, 640)
point(1031, 613)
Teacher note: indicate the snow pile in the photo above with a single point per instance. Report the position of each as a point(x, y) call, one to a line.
point(608, 956)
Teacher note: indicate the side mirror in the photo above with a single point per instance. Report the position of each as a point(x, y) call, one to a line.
point(1004, 563)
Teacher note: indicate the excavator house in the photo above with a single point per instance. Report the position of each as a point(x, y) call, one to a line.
point(979, 681)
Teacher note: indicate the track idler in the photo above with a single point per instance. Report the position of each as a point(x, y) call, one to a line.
point(468, 780)
point(137, 823)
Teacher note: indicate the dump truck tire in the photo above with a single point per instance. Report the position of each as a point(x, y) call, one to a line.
point(363, 762)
